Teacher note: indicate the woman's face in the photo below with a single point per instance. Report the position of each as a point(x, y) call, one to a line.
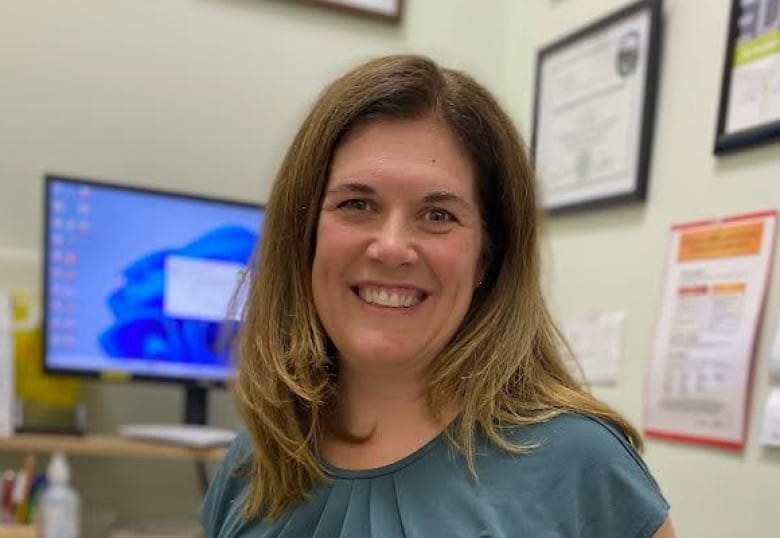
point(398, 244)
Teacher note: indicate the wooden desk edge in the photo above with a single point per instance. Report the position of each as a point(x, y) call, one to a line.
point(106, 445)
point(13, 530)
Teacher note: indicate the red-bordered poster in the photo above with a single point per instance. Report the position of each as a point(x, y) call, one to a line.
point(717, 275)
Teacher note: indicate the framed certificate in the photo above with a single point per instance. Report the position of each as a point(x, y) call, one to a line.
point(594, 110)
point(387, 10)
point(749, 110)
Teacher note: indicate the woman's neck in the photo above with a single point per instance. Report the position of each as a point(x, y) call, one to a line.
point(386, 411)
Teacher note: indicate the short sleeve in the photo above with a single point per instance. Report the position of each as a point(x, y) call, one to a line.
point(616, 494)
point(580, 477)
point(225, 488)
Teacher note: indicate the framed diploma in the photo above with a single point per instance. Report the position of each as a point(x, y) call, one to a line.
point(750, 90)
point(387, 10)
point(594, 110)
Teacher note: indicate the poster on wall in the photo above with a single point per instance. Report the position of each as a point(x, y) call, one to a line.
point(749, 110)
point(716, 280)
point(594, 110)
point(774, 359)
point(769, 435)
point(596, 342)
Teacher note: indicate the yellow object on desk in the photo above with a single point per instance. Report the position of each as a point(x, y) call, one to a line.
point(32, 385)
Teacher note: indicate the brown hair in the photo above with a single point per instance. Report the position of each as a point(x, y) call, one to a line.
point(503, 366)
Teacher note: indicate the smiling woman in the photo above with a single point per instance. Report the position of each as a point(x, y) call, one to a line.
point(398, 246)
point(399, 372)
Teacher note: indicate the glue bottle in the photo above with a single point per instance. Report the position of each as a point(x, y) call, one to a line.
point(59, 505)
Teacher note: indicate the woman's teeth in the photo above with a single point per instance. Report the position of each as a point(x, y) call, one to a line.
point(392, 299)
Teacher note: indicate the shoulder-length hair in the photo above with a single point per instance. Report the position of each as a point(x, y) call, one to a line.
point(502, 367)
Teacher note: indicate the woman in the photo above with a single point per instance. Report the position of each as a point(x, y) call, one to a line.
point(399, 372)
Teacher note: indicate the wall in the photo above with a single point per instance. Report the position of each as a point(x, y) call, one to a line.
point(203, 96)
point(613, 259)
point(193, 95)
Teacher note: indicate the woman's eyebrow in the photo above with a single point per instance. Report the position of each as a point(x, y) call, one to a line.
point(436, 197)
point(352, 186)
point(445, 196)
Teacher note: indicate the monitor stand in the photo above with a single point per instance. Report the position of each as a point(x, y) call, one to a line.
point(193, 432)
point(196, 403)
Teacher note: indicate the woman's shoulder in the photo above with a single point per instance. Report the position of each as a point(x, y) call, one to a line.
point(578, 443)
point(578, 461)
point(240, 449)
point(237, 456)
point(573, 436)
point(224, 497)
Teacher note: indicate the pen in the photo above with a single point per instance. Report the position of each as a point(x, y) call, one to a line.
point(29, 476)
point(39, 484)
point(17, 494)
point(7, 491)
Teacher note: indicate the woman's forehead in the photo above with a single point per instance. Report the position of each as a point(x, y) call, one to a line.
point(417, 153)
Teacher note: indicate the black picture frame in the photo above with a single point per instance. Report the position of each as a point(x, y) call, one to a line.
point(636, 52)
point(733, 132)
point(363, 8)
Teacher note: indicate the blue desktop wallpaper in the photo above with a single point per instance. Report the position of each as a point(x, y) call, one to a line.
point(106, 277)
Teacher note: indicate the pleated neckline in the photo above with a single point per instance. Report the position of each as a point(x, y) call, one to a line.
point(357, 474)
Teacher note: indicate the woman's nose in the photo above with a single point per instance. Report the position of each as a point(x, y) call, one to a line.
point(393, 243)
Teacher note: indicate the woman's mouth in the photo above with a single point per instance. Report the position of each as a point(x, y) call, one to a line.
point(390, 297)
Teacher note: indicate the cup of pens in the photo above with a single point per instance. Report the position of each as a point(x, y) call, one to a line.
point(21, 493)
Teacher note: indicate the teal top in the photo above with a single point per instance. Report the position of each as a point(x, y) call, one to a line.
point(582, 480)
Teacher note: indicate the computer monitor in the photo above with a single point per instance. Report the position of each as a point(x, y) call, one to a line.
point(141, 284)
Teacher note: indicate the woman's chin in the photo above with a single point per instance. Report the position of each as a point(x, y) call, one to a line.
point(382, 357)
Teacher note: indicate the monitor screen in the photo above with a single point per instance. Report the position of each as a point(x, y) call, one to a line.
point(139, 283)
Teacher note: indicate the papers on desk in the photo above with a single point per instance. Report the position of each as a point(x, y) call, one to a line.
point(596, 342)
point(6, 365)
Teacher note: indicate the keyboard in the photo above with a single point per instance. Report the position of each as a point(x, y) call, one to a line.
point(188, 435)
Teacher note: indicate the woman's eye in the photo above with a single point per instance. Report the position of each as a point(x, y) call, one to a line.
point(440, 215)
point(355, 203)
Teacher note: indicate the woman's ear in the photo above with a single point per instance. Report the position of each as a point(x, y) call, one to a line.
point(482, 267)
point(479, 278)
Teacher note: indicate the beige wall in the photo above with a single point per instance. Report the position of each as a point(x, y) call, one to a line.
point(613, 259)
point(204, 95)
point(192, 95)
